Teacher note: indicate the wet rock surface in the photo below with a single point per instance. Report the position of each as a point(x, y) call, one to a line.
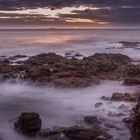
point(28, 123)
point(121, 97)
point(133, 122)
point(79, 133)
point(52, 68)
point(127, 44)
point(75, 133)
point(17, 57)
point(91, 120)
point(49, 68)
point(132, 81)
point(98, 104)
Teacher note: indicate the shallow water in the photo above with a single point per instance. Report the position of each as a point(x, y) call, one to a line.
point(60, 106)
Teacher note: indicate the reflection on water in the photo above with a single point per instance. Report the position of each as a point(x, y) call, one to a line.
point(57, 106)
point(86, 42)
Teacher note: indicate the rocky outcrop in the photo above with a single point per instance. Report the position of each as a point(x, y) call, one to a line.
point(91, 120)
point(75, 133)
point(126, 44)
point(133, 122)
point(132, 81)
point(121, 97)
point(43, 58)
point(28, 123)
point(51, 68)
point(79, 133)
point(133, 75)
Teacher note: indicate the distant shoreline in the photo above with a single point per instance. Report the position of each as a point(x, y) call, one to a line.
point(55, 29)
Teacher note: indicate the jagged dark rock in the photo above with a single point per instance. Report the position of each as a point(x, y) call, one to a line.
point(132, 81)
point(52, 68)
point(134, 122)
point(79, 133)
point(123, 97)
point(91, 120)
point(28, 123)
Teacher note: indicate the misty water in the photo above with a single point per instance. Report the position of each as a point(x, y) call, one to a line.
point(64, 106)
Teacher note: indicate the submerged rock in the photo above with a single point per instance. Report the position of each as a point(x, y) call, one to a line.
point(99, 104)
point(127, 44)
point(79, 133)
point(48, 132)
point(28, 123)
point(122, 106)
point(91, 120)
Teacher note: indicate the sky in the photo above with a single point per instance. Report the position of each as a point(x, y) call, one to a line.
point(70, 14)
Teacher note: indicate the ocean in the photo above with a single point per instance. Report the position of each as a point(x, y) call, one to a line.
point(86, 42)
point(64, 106)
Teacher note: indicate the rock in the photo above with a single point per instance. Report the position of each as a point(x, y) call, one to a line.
point(73, 54)
point(48, 132)
point(52, 68)
point(134, 122)
point(122, 106)
point(101, 138)
point(109, 58)
point(98, 104)
point(28, 123)
point(110, 125)
point(132, 81)
point(91, 120)
point(105, 98)
point(79, 133)
point(123, 97)
point(78, 55)
point(17, 57)
point(74, 133)
point(127, 44)
point(45, 58)
point(136, 127)
point(73, 82)
point(133, 71)
point(128, 120)
point(117, 96)
point(38, 72)
point(114, 114)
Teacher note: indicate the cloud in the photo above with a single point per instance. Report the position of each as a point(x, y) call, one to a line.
point(97, 12)
point(118, 15)
point(18, 4)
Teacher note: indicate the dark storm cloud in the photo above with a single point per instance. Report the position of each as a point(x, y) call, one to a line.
point(17, 4)
point(114, 11)
point(123, 14)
